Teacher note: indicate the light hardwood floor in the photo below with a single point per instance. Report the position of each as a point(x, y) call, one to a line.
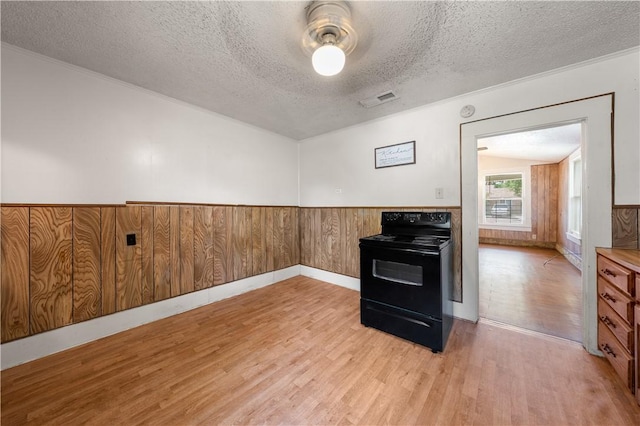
point(295, 353)
point(517, 288)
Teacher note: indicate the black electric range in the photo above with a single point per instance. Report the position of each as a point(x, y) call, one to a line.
point(406, 277)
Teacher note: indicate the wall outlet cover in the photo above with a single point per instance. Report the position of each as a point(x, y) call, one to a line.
point(131, 239)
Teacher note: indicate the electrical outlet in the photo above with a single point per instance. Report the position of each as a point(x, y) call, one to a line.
point(131, 239)
point(439, 193)
point(338, 190)
point(534, 236)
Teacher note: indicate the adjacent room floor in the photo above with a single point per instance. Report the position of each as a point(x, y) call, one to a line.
point(533, 288)
point(296, 353)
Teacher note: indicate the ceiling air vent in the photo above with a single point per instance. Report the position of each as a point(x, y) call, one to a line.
point(387, 96)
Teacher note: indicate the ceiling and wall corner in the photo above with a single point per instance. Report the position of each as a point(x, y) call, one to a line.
point(239, 60)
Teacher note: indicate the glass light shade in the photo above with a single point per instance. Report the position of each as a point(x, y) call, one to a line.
point(328, 60)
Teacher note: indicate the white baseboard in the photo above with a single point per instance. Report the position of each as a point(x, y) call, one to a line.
point(331, 277)
point(47, 343)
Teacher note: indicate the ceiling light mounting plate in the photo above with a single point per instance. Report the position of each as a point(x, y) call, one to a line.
point(329, 22)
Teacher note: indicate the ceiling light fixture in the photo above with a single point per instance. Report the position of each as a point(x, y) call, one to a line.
point(329, 36)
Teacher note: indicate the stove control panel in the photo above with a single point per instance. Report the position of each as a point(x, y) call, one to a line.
point(415, 218)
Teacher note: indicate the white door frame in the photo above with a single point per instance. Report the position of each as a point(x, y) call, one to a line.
point(596, 115)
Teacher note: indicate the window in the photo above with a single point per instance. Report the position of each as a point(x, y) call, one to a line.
point(503, 199)
point(574, 227)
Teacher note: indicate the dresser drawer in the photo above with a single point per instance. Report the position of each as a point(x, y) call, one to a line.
point(620, 303)
point(622, 330)
point(637, 359)
point(618, 357)
point(617, 275)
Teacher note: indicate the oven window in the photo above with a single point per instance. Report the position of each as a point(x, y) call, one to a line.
point(397, 272)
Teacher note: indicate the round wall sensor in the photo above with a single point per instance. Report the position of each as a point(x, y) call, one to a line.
point(467, 111)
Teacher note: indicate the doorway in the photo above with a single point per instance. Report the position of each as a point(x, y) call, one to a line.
point(596, 114)
point(527, 196)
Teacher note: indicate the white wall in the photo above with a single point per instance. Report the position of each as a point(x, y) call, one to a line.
point(344, 159)
point(73, 136)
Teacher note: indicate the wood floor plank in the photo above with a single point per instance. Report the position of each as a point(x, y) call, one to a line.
point(525, 292)
point(296, 353)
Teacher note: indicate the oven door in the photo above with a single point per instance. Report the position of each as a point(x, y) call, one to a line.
point(408, 279)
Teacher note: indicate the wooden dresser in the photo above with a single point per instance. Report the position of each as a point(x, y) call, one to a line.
point(619, 312)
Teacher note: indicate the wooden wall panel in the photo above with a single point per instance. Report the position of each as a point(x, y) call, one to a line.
point(317, 238)
point(162, 252)
point(456, 233)
point(241, 236)
point(51, 268)
point(174, 236)
point(338, 240)
point(87, 287)
point(171, 242)
point(351, 248)
point(288, 243)
point(305, 236)
point(108, 264)
point(258, 240)
point(278, 238)
point(294, 238)
point(295, 235)
point(187, 282)
point(14, 281)
point(203, 246)
point(625, 228)
point(128, 258)
point(553, 189)
point(284, 237)
point(146, 248)
point(325, 236)
point(269, 230)
point(538, 224)
point(222, 244)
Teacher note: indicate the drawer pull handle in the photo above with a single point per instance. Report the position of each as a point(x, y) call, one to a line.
point(607, 296)
point(609, 273)
point(605, 319)
point(607, 349)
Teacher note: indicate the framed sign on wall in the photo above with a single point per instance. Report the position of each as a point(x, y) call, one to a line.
point(399, 154)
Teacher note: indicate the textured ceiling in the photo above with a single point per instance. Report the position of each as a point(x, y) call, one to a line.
point(244, 59)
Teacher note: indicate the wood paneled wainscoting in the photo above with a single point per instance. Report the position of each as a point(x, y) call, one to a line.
point(64, 264)
point(329, 237)
point(625, 225)
point(544, 213)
